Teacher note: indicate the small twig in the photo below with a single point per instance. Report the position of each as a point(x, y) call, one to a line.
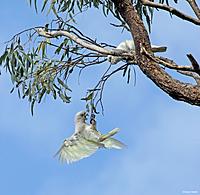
point(192, 71)
point(94, 62)
point(16, 35)
point(171, 10)
point(120, 26)
point(84, 36)
point(195, 7)
point(194, 63)
point(172, 65)
point(191, 74)
point(168, 63)
point(107, 45)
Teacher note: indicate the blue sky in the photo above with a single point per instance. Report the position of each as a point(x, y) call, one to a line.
point(162, 135)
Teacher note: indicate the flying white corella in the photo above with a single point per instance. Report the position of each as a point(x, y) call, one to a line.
point(129, 46)
point(86, 140)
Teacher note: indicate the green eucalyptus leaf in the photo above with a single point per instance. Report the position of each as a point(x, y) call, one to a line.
point(44, 5)
point(65, 98)
point(3, 57)
point(35, 5)
point(63, 84)
point(32, 106)
point(40, 96)
point(89, 96)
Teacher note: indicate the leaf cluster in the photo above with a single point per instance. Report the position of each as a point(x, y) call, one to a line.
point(33, 74)
point(42, 66)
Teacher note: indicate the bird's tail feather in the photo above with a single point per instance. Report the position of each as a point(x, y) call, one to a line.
point(109, 134)
point(113, 143)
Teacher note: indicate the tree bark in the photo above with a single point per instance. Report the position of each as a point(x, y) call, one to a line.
point(174, 88)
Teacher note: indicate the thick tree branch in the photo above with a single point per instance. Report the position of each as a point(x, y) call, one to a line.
point(195, 7)
point(172, 65)
point(168, 63)
point(85, 44)
point(176, 89)
point(172, 10)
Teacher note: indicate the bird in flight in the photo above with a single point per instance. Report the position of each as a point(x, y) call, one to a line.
point(86, 140)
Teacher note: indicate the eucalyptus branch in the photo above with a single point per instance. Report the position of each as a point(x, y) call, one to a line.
point(84, 37)
point(171, 10)
point(194, 63)
point(87, 45)
point(191, 71)
point(78, 40)
point(195, 7)
point(23, 31)
point(122, 25)
point(168, 63)
point(99, 88)
point(191, 74)
point(63, 48)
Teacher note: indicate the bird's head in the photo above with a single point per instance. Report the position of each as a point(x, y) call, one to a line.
point(80, 116)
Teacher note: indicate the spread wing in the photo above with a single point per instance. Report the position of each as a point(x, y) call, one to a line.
point(75, 148)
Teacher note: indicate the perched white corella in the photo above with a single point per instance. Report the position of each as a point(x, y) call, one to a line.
point(86, 140)
point(129, 46)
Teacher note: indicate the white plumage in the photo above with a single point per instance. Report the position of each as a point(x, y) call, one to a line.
point(128, 45)
point(86, 140)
